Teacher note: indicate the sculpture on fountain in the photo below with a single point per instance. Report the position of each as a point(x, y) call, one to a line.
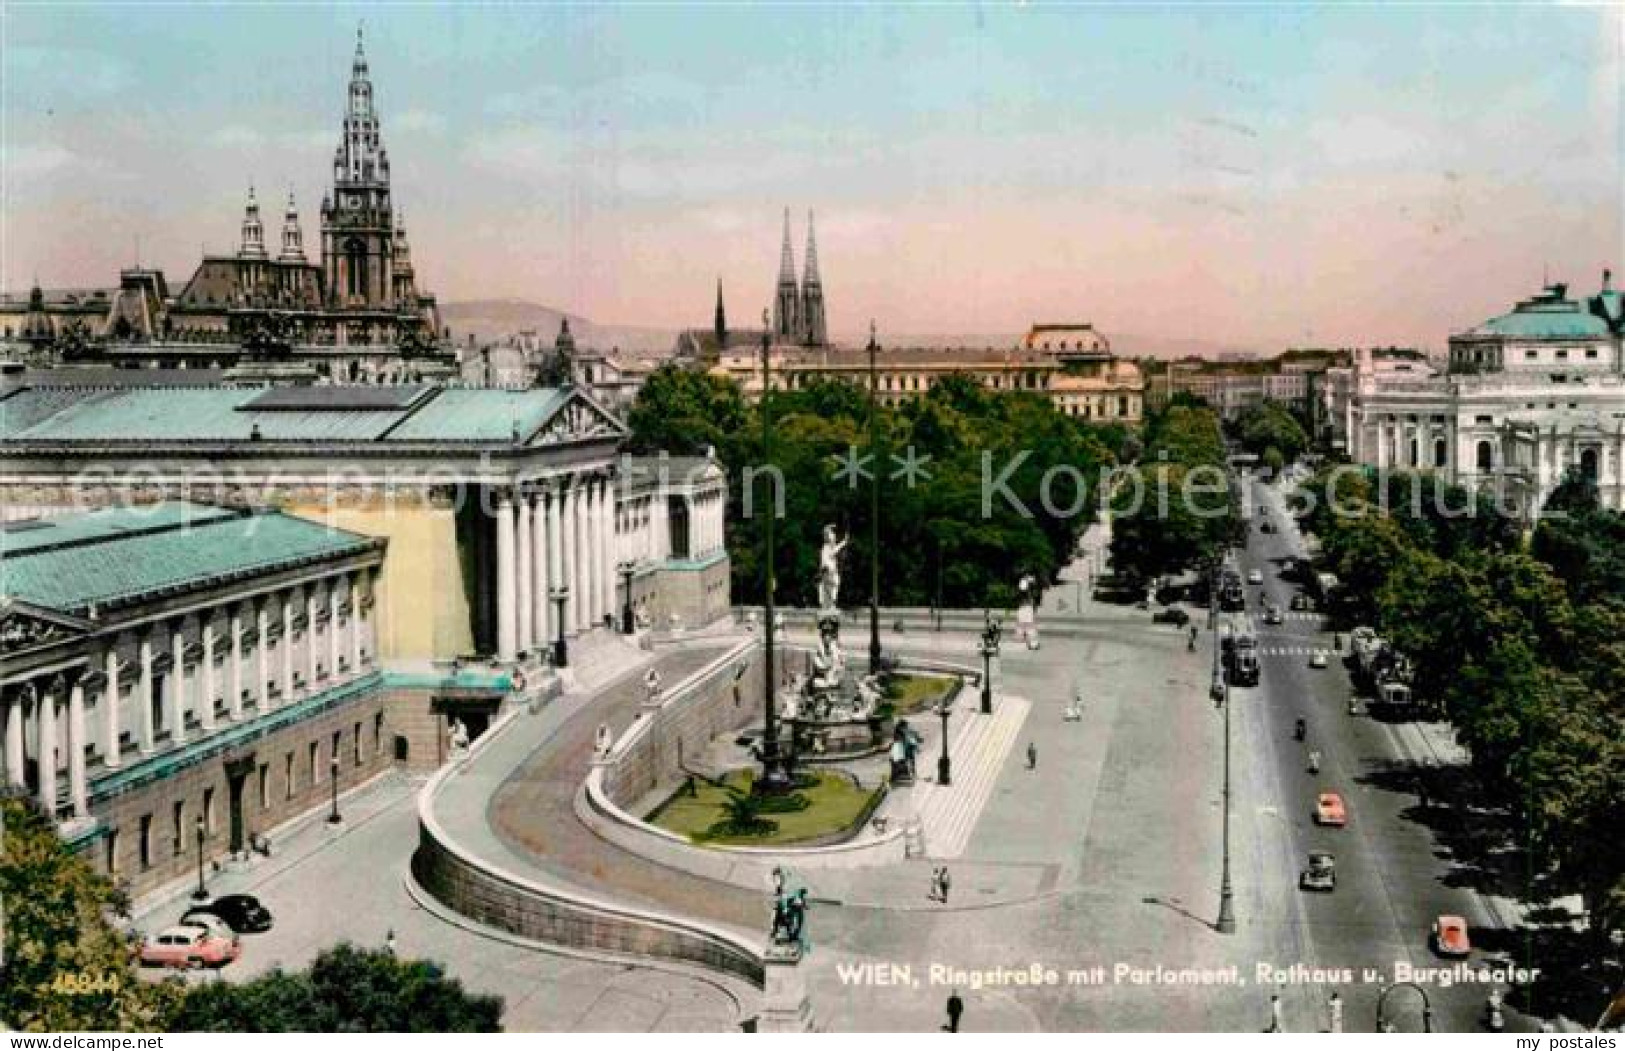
point(829, 574)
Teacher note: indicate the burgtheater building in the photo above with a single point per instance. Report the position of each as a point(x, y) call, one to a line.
point(428, 549)
point(1527, 398)
point(354, 313)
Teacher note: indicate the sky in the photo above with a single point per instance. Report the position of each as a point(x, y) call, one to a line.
point(1248, 175)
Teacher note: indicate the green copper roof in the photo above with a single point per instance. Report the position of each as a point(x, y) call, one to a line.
point(1548, 315)
point(116, 555)
point(231, 414)
point(18, 538)
point(481, 415)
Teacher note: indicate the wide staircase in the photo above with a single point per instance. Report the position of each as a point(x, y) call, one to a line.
point(600, 656)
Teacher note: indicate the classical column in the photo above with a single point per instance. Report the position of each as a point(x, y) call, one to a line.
point(334, 611)
point(144, 698)
point(593, 534)
point(110, 702)
point(540, 573)
point(526, 598)
point(206, 693)
point(606, 549)
point(14, 736)
point(507, 591)
point(570, 561)
point(262, 656)
point(45, 723)
point(234, 680)
point(355, 619)
point(313, 649)
point(177, 683)
point(77, 794)
point(286, 646)
point(555, 562)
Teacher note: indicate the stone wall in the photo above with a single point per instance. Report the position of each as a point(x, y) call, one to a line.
point(698, 592)
point(280, 781)
point(507, 903)
point(724, 697)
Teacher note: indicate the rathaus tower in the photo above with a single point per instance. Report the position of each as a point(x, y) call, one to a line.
point(358, 229)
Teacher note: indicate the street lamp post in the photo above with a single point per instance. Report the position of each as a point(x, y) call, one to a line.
point(625, 569)
point(874, 509)
point(990, 649)
point(944, 768)
point(775, 778)
point(202, 892)
point(333, 817)
point(1227, 908)
point(561, 653)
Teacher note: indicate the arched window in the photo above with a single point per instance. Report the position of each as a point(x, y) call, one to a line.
point(1486, 458)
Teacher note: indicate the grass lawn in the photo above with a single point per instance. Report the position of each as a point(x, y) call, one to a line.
point(834, 804)
point(908, 694)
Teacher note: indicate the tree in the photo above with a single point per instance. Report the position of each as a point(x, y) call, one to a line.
point(684, 412)
point(66, 966)
point(1270, 425)
point(346, 990)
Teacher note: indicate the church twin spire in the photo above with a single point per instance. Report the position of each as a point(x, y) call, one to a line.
point(798, 311)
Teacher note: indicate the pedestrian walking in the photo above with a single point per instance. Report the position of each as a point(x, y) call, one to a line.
point(1032, 756)
point(935, 893)
point(1334, 1007)
point(943, 883)
point(1275, 1014)
point(956, 1007)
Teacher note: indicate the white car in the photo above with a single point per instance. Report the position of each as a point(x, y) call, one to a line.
point(1317, 659)
point(1255, 576)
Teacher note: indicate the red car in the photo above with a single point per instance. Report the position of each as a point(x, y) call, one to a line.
point(190, 945)
point(1450, 936)
point(1329, 810)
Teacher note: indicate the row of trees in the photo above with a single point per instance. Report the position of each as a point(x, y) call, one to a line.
point(1270, 432)
point(1174, 510)
point(1004, 484)
point(1522, 649)
point(69, 968)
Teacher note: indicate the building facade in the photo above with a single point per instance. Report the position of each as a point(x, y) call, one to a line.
point(179, 679)
point(507, 500)
point(1528, 397)
point(355, 313)
point(1086, 381)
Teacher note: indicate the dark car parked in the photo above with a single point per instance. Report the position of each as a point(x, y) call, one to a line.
point(243, 913)
point(1171, 615)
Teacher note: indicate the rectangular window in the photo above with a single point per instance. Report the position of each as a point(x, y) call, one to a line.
point(338, 736)
point(315, 771)
point(177, 842)
point(146, 842)
point(208, 810)
point(265, 787)
point(377, 733)
point(111, 856)
point(287, 776)
point(355, 746)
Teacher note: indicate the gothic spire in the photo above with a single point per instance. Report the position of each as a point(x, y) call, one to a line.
point(787, 297)
point(787, 262)
point(721, 318)
point(809, 275)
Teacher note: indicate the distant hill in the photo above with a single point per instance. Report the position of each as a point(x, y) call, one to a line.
point(489, 320)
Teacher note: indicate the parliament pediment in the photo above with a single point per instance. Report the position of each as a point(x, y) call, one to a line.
point(24, 626)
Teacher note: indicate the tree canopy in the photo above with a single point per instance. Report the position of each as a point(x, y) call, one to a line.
point(1001, 484)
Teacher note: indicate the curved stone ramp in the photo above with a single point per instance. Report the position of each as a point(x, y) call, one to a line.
point(520, 861)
